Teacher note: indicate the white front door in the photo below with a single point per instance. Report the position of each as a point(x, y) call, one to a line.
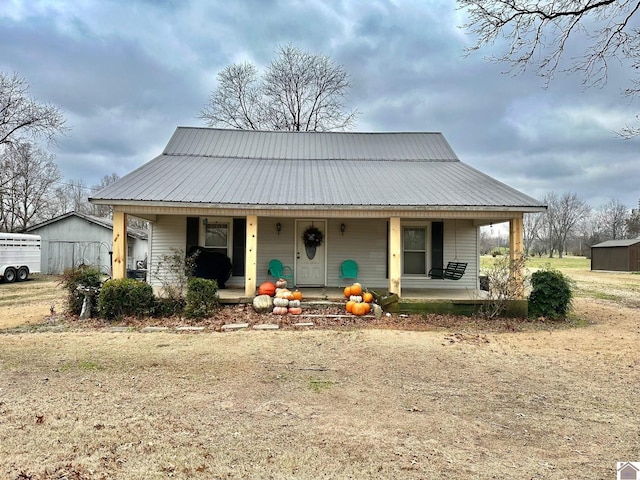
point(310, 262)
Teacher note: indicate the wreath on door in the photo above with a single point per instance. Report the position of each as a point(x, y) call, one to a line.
point(312, 238)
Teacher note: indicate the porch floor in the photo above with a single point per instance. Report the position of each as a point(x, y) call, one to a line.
point(236, 295)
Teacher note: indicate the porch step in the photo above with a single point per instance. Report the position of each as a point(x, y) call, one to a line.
point(318, 304)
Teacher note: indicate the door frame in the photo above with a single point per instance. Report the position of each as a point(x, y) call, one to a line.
point(298, 233)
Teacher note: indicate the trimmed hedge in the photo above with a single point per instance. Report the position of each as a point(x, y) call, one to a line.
point(125, 297)
point(551, 294)
point(202, 298)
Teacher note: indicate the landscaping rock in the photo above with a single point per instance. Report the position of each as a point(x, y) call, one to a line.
point(235, 326)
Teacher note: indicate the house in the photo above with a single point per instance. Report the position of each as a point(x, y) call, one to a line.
point(618, 255)
point(75, 239)
point(398, 204)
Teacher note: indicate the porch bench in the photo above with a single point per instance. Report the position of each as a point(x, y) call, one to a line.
point(454, 271)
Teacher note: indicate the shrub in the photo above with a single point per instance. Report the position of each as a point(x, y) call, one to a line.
point(501, 287)
point(72, 278)
point(551, 294)
point(125, 296)
point(173, 273)
point(167, 307)
point(202, 297)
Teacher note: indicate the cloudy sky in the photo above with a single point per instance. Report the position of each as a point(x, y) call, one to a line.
point(125, 73)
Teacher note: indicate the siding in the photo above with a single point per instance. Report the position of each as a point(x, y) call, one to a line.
point(169, 232)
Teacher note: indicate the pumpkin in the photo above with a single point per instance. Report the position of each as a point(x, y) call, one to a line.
point(280, 302)
point(367, 297)
point(263, 303)
point(350, 305)
point(267, 288)
point(297, 295)
point(356, 298)
point(282, 292)
point(289, 296)
point(359, 309)
point(295, 310)
point(281, 283)
point(367, 307)
point(294, 303)
point(280, 310)
point(347, 292)
point(356, 289)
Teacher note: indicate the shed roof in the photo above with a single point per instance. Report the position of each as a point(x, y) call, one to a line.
point(100, 221)
point(332, 169)
point(617, 243)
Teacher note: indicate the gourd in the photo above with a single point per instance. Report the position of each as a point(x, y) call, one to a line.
point(367, 297)
point(282, 292)
point(356, 298)
point(347, 292)
point(294, 303)
point(262, 303)
point(350, 305)
point(356, 289)
point(359, 309)
point(280, 310)
point(297, 295)
point(295, 310)
point(281, 283)
point(280, 302)
point(267, 288)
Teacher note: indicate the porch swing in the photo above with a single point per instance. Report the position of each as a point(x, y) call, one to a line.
point(454, 270)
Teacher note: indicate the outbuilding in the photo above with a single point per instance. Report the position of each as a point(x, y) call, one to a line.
point(617, 255)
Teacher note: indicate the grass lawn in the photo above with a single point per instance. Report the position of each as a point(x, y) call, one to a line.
point(565, 263)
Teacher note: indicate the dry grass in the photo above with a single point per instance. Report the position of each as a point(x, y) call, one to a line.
point(351, 403)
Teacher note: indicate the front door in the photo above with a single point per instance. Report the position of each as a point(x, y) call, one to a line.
point(310, 260)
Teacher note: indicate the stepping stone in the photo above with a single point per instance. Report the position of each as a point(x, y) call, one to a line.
point(118, 329)
point(235, 326)
point(189, 329)
point(266, 326)
point(303, 324)
point(154, 329)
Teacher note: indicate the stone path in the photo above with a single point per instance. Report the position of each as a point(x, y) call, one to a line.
point(230, 327)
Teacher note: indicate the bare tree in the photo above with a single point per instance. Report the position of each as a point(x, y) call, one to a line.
point(71, 197)
point(612, 220)
point(27, 194)
point(633, 224)
point(541, 31)
point(299, 91)
point(22, 117)
point(103, 210)
point(564, 212)
point(532, 224)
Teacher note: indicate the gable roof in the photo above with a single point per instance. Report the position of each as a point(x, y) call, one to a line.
point(100, 221)
point(253, 169)
point(617, 243)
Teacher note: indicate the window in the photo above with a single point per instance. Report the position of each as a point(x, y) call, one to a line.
point(414, 252)
point(216, 237)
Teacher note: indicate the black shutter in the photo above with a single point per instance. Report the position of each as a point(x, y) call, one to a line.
point(193, 231)
point(239, 246)
point(437, 245)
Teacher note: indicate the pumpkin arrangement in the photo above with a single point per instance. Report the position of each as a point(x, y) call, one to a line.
point(284, 301)
point(359, 300)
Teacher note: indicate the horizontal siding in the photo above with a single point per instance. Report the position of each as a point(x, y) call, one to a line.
point(169, 233)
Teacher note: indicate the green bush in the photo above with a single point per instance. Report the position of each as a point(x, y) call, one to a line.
point(124, 297)
point(72, 278)
point(202, 298)
point(551, 294)
point(167, 307)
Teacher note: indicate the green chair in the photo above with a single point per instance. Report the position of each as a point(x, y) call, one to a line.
point(349, 270)
point(277, 270)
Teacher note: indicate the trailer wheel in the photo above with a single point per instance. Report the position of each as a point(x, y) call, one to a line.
point(10, 275)
point(23, 274)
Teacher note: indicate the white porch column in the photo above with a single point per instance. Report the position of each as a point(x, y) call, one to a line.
point(516, 251)
point(251, 256)
point(119, 263)
point(395, 256)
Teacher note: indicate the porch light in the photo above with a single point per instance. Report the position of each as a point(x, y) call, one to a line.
point(278, 227)
point(205, 221)
point(343, 227)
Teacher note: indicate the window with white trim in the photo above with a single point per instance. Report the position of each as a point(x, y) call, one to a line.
point(216, 237)
point(414, 250)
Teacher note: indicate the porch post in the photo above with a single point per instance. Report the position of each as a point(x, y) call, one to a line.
point(251, 256)
point(119, 265)
point(516, 251)
point(395, 256)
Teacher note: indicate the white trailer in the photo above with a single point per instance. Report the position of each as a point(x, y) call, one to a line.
point(19, 256)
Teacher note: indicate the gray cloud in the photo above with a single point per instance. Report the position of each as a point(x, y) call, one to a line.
point(126, 73)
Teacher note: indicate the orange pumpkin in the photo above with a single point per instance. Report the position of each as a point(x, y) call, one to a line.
point(297, 295)
point(267, 288)
point(295, 310)
point(367, 308)
point(347, 292)
point(367, 297)
point(359, 309)
point(356, 289)
point(350, 305)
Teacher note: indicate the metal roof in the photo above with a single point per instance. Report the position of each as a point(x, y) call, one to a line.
point(617, 243)
point(257, 168)
point(100, 221)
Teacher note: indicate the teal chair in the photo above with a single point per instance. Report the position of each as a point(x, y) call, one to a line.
point(277, 270)
point(349, 270)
